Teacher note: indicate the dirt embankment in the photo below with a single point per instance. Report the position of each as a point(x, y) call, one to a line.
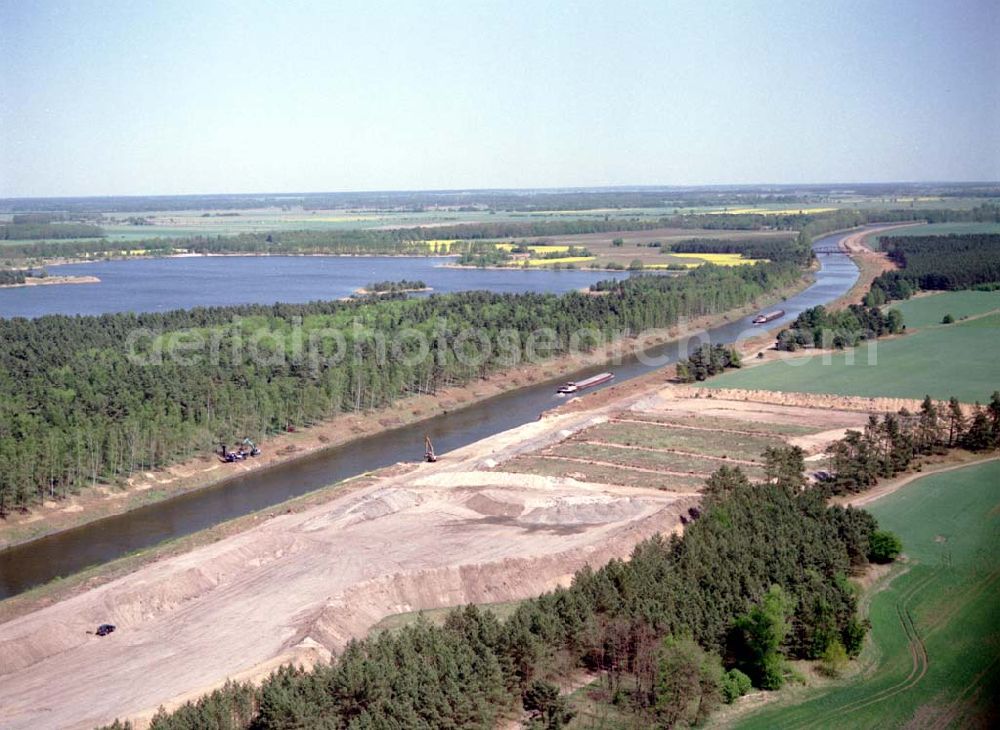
point(298, 586)
point(808, 400)
point(870, 263)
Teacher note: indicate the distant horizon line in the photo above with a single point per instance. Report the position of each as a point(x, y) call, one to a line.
point(722, 187)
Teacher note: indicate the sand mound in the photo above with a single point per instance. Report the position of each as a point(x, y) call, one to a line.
point(381, 503)
point(489, 506)
point(590, 511)
point(24, 650)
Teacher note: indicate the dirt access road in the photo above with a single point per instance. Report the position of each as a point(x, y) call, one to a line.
point(300, 585)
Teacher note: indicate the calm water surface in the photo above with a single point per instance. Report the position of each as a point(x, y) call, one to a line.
point(159, 285)
point(67, 552)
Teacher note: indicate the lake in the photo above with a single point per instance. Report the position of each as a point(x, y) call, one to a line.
point(159, 285)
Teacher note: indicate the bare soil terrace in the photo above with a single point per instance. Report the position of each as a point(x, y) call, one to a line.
point(474, 527)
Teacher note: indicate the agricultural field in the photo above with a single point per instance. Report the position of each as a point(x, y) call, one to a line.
point(717, 423)
point(646, 247)
point(927, 311)
point(643, 459)
point(536, 249)
point(939, 229)
point(766, 210)
point(182, 223)
point(719, 259)
point(644, 452)
point(572, 468)
point(747, 447)
point(956, 360)
point(674, 443)
point(637, 245)
point(933, 659)
point(576, 260)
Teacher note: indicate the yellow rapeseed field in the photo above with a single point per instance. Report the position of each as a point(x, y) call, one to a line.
point(667, 266)
point(719, 259)
point(541, 248)
point(441, 245)
point(564, 260)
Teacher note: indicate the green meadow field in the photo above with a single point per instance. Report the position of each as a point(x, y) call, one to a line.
point(927, 311)
point(933, 658)
point(934, 229)
point(958, 360)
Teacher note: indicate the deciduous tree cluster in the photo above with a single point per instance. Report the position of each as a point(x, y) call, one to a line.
point(821, 327)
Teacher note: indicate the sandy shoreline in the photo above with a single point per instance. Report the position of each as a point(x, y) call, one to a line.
point(362, 292)
point(247, 254)
point(52, 281)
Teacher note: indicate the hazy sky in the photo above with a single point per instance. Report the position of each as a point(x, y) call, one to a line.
point(151, 97)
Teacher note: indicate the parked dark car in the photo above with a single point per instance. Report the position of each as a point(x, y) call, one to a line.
point(105, 629)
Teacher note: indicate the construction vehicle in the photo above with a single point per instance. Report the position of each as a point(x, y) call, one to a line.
point(429, 454)
point(230, 456)
point(249, 447)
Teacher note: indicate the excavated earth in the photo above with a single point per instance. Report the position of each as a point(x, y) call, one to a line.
point(297, 587)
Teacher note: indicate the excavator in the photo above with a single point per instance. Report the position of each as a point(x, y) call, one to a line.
point(429, 454)
point(249, 447)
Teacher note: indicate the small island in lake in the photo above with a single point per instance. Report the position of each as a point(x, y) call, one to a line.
point(10, 278)
point(388, 288)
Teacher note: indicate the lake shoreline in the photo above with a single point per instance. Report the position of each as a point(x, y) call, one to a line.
point(376, 294)
point(102, 258)
point(52, 281)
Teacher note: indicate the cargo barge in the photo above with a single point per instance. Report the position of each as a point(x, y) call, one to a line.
point(578, 385)
point(768, 316)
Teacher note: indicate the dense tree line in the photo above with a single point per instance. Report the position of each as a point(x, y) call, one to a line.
point(38, 218)
point(348, 242)
point(759, 575)
point(797, 250)
point(40, 231)
point(937, 262)
point(11, 277)
point(85, 400)
point(822, 327)
point(889, 445)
